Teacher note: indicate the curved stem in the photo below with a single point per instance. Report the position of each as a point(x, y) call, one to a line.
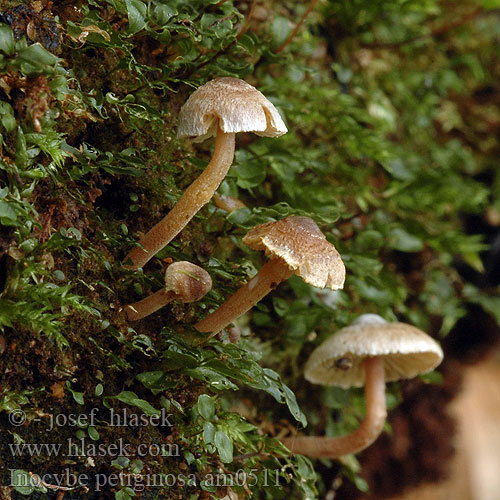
point(271, 274)
point(149, 305)
point(364, 435)
point(194, 198)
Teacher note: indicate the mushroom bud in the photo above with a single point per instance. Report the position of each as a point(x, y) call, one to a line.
point(371, 351)
point(296, 245)
point(184, 282)
point(221, 107)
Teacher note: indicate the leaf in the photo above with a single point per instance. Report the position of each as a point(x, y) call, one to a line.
point(136, 466)
point(7, 44)
point(161, 13)
point(206, 406)
point(208, 433)
point(283, 393)
point(224, 446)
point(120, 462)
point(132, 399)
point(474, 260)
point(77, 396)
point(154, 381)
point(180, 359)
point(212, 377)
point(94, 435)
point(7, 116)
point(137, 11)
point(21, 151)
point(6, 211)
point(293, 406)
point(22, 482)
point(35, 59)
point(125, 493)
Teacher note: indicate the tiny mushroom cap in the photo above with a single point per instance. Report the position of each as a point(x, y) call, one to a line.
point(299, 242)
point(295, 245)
point(231, 104)
point(184, 282)
point(189, 281)
point(406, 352)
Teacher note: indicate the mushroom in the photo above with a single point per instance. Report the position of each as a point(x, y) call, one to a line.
point(184, 282)
point(371, 351)
point(221, 107)
point(296, 245)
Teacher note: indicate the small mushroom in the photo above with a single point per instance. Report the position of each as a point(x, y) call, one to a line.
point(221, 107)
point(184, 282)
point(377, 351)
point(296, 245)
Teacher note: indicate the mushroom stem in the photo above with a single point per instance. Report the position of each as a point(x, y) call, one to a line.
point(194, 198)
point(364, 435)
point(271, 274)
point(150, 304)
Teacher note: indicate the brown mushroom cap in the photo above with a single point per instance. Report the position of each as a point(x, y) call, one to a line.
point(406, 351)
point(233, 104)
point(189, 281)
point(300, 243)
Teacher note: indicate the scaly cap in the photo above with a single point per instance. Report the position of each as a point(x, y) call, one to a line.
point(300, 243)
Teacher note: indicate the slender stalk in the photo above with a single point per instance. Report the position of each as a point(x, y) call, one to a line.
point(150, 304)
point(194, 198)
point(271, 274)
point(364, 435)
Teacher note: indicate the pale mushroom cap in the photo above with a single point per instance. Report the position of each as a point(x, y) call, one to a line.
point(406, 351)
point(189, 281)
point(235, 105)
point(300, 243)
